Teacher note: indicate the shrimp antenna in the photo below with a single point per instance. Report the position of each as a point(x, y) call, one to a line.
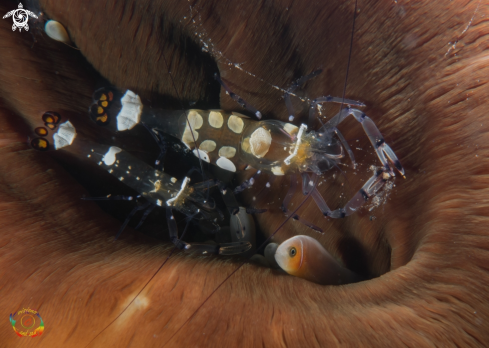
point(346, 80)
point(349, 59)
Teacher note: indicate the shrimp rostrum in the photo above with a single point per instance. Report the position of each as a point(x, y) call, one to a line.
point(157, 188)
point(233, 141)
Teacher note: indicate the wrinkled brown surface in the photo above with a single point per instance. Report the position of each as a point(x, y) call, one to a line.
point(57, 253)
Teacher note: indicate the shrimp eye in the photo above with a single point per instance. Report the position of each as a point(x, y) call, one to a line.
point(292, 252)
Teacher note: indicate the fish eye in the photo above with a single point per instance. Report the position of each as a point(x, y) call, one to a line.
point(292, 252)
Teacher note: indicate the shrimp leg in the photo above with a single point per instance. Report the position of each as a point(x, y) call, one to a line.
point(288, 197)
point(312, 108)
point(368, 190)
point(219, 249)
point(328, 99)
point(161, 144)
point(384, 151)
point(146, 206)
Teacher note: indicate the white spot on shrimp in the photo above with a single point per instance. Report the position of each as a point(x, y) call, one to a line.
point(207, 146)
point(202, 154)
point(290, 128)
point(278, 170)
point(302, 129)
point(131, 110)
point(215, 119)
point(172, 201)
point(226, 164)
point(260, 142)
point(110, 157)
point(196, 121)
point(56, 31)
point(245, 145)
point(227, 151)
point(236, 124)
point(64, 136)
point(173, 180)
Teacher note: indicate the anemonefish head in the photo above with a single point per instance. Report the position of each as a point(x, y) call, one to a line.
point(290, 255)
point(304, 257)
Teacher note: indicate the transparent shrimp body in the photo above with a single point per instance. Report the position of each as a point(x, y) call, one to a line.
point(231, 141)
point(283, 148)
point(156, 186)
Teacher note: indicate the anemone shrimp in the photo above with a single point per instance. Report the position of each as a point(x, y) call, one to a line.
point(307, 152)
point(156, 187)
point(233, 141)
point(259, 144)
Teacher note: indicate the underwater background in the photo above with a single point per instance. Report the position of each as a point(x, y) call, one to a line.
point(422, 249)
